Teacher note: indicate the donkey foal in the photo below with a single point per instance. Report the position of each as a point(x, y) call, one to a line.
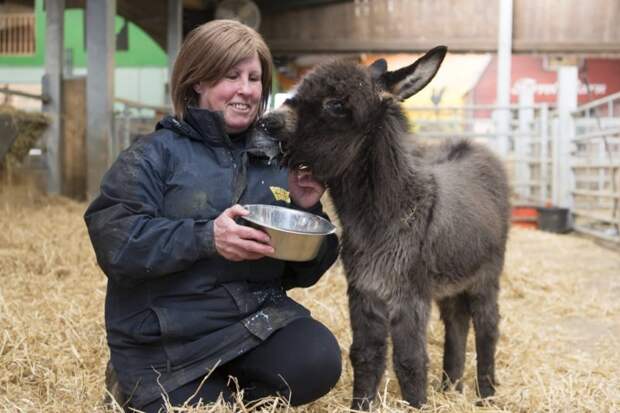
point(421, 225)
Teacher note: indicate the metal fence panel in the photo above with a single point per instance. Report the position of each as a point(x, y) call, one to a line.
point(595, 163)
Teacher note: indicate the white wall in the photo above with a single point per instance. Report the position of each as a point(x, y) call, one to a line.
point(146, 85)
point(20, 74)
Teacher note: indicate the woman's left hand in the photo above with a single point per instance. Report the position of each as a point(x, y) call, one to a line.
point(304, 189)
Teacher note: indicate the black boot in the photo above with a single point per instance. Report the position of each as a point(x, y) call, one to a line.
point(114, 395)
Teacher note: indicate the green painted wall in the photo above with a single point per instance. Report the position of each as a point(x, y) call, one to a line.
point(143, 51)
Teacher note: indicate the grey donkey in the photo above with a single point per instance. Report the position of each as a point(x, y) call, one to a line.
point(421, 225)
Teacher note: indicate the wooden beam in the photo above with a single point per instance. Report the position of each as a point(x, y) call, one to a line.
point(414, 26)
point(354, 45)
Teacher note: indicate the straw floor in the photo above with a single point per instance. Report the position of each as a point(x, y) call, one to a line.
point(558, 350)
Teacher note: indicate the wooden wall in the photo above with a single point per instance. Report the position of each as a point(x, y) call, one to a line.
point(463, 25)
point(567, 26)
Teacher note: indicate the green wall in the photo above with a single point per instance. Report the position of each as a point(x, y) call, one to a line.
point(143, 51)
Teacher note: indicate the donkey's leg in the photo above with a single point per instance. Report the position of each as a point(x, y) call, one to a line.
point(408, 321)
point(485, 316)
point(455, 316)
point(368, 350)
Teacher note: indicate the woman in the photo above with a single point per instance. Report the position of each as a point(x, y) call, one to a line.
point(190, 292)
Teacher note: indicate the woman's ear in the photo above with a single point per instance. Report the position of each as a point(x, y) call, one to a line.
point(199, 87)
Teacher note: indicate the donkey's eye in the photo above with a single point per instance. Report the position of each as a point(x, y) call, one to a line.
point(336, 108)
point(292, 102)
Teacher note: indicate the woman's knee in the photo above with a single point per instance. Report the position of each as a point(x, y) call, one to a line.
point(301, 363)
point(319, 365)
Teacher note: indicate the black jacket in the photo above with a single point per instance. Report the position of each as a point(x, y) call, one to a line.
point(173, 304)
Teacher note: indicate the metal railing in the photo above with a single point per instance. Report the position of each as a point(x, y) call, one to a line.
point(133, 119)
point(17, 34)
point(538, 172)
point(12, 92)
point(528, 160)
point(595, 166)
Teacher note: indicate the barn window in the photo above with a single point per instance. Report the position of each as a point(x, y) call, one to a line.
point(17, 28)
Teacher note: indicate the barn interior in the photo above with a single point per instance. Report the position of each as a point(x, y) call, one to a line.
point(537, 80)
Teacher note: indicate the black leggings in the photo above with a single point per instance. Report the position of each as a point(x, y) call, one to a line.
point(300, 362)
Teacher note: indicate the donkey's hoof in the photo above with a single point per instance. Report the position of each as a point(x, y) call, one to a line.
point(448, 385)
point(361, 404)
point(486, 390)
point(416, 403)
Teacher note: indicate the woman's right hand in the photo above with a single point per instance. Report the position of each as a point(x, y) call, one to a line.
point(238, 242)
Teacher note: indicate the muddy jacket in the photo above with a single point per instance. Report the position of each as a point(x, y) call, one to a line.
point(174, 307)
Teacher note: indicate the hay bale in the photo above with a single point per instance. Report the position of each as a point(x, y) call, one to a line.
point(557, 352)
point(29, 127)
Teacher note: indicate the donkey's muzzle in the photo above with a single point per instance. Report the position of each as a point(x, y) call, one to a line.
point(271, 124)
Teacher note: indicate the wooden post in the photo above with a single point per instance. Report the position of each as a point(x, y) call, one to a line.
point(52, 86)
point(74, 170)
point(174, 38)
point(175, 31)
point(99, 90)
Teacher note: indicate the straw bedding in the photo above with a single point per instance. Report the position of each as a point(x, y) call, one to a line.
point(558, 350)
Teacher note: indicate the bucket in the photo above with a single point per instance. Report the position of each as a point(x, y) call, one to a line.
point(554, 219)
point(524, 216)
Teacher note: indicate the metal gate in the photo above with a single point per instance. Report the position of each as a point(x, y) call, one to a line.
point(526, 147)
point(571, 161)
point(594, 165)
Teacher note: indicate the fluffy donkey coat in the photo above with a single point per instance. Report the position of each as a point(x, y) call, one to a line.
point(421, 225)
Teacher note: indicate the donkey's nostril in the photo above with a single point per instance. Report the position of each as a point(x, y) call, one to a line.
point(270, 124)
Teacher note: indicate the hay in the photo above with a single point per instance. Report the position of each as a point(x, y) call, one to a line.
point(557, 351)
point(30, 127)
point(27, 129)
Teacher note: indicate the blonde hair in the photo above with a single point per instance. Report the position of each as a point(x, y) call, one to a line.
point(208, 53)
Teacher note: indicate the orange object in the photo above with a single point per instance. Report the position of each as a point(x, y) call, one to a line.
point(525, 217)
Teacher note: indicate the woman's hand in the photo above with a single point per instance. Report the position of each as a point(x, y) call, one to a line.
point(238, 242)
point(304, 189)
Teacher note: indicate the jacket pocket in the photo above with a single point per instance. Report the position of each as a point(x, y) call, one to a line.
point(149, 329)
point(244, 298)
point(171, 341)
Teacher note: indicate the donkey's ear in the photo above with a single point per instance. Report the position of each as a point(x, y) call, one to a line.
point(409, 80)
point(377, 68)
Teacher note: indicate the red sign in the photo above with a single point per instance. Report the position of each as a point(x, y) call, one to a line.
point(598, 78)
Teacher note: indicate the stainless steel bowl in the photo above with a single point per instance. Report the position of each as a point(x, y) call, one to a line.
point(295, 235)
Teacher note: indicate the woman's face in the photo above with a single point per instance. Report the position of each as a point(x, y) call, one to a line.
point(237, 95)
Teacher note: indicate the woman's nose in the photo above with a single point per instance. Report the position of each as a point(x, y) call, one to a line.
point(245, 87)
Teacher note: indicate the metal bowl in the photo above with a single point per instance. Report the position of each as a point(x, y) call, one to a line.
point(295, 235)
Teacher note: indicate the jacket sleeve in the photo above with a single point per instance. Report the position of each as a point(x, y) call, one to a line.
point(131, 238)
point(306, 274)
